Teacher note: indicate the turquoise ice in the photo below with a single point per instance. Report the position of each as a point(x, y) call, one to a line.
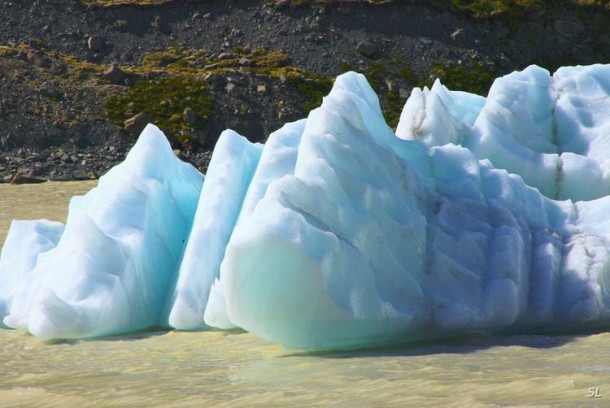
point(477, 214)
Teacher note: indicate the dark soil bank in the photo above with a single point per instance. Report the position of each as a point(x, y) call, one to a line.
point(78, 82)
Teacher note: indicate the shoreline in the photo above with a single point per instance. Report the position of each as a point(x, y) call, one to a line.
point(78, 82)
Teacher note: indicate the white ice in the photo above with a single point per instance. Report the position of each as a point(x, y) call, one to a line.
point(277, 160)
point(551, 130)
point(376, 240)
point(229, 174)
point(25, 241)
point(110, 271)
point(483, 214)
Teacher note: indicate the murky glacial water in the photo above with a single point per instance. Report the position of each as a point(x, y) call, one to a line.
point(238, 369)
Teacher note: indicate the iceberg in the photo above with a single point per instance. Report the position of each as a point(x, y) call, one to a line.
point(24, 243)
point(477, 214)
point(221, 198)
point(110, 270)
point(277, 159)
point(376, 240)
point(553, 131)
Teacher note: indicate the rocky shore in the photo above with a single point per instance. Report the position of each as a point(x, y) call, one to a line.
point(79, 81)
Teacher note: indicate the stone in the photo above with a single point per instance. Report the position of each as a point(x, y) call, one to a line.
point(246, 62)
point(261, 89)
point(96, 43)
point(226, 55)
point(569, 27)
point(38, 59)
point(121, 24)
point(282, 4)
point(159, 25)
point(502, 32)
point(136, 124)
point(25, 176)
point(367, 48)
point(390, 84)
point(114, 75)
point(49, 91)
point(457, 35)
point(230, 88)
point(189, 116)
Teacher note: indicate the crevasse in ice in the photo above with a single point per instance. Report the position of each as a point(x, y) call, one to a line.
point(483, 214)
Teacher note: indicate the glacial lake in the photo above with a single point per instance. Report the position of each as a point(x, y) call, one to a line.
point(233, 369)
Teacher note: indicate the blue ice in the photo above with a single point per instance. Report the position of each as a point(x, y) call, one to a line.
point(477, 213)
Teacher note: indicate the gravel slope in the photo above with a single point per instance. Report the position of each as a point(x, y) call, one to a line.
point(55, 121)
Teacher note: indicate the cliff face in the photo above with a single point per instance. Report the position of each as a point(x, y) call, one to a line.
point(78, 81)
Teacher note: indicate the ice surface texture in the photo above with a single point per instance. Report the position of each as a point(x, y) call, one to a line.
point(553, 131)
point(112, 267)
point(483, 214)
point(221, 199)
point(26, 240)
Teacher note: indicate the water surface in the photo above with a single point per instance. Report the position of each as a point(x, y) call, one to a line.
point(238, 369)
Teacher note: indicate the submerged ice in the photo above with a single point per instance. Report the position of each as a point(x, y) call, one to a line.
point(477, 214)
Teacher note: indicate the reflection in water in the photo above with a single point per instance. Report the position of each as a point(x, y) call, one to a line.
point(239, 369)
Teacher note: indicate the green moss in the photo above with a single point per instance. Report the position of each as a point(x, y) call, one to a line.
point(394, 106)
point(275, 64)
point(178, 86)
point(7, 51)
point(473, 78)
point(346, 66)
point(313, 87)
point(489, 8)
point(378, 72)
point(165, 100)
point(160, 59)
point(296, 3)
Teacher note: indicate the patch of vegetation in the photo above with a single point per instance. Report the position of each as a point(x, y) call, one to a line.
point(275, 64)
point(476, 8)
point(172, 81)
point(7, 51)
point(165, 100)
point(473, 78)
point(394, 107)
point(308, 2)
point(512, 9)
point(313, 87)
